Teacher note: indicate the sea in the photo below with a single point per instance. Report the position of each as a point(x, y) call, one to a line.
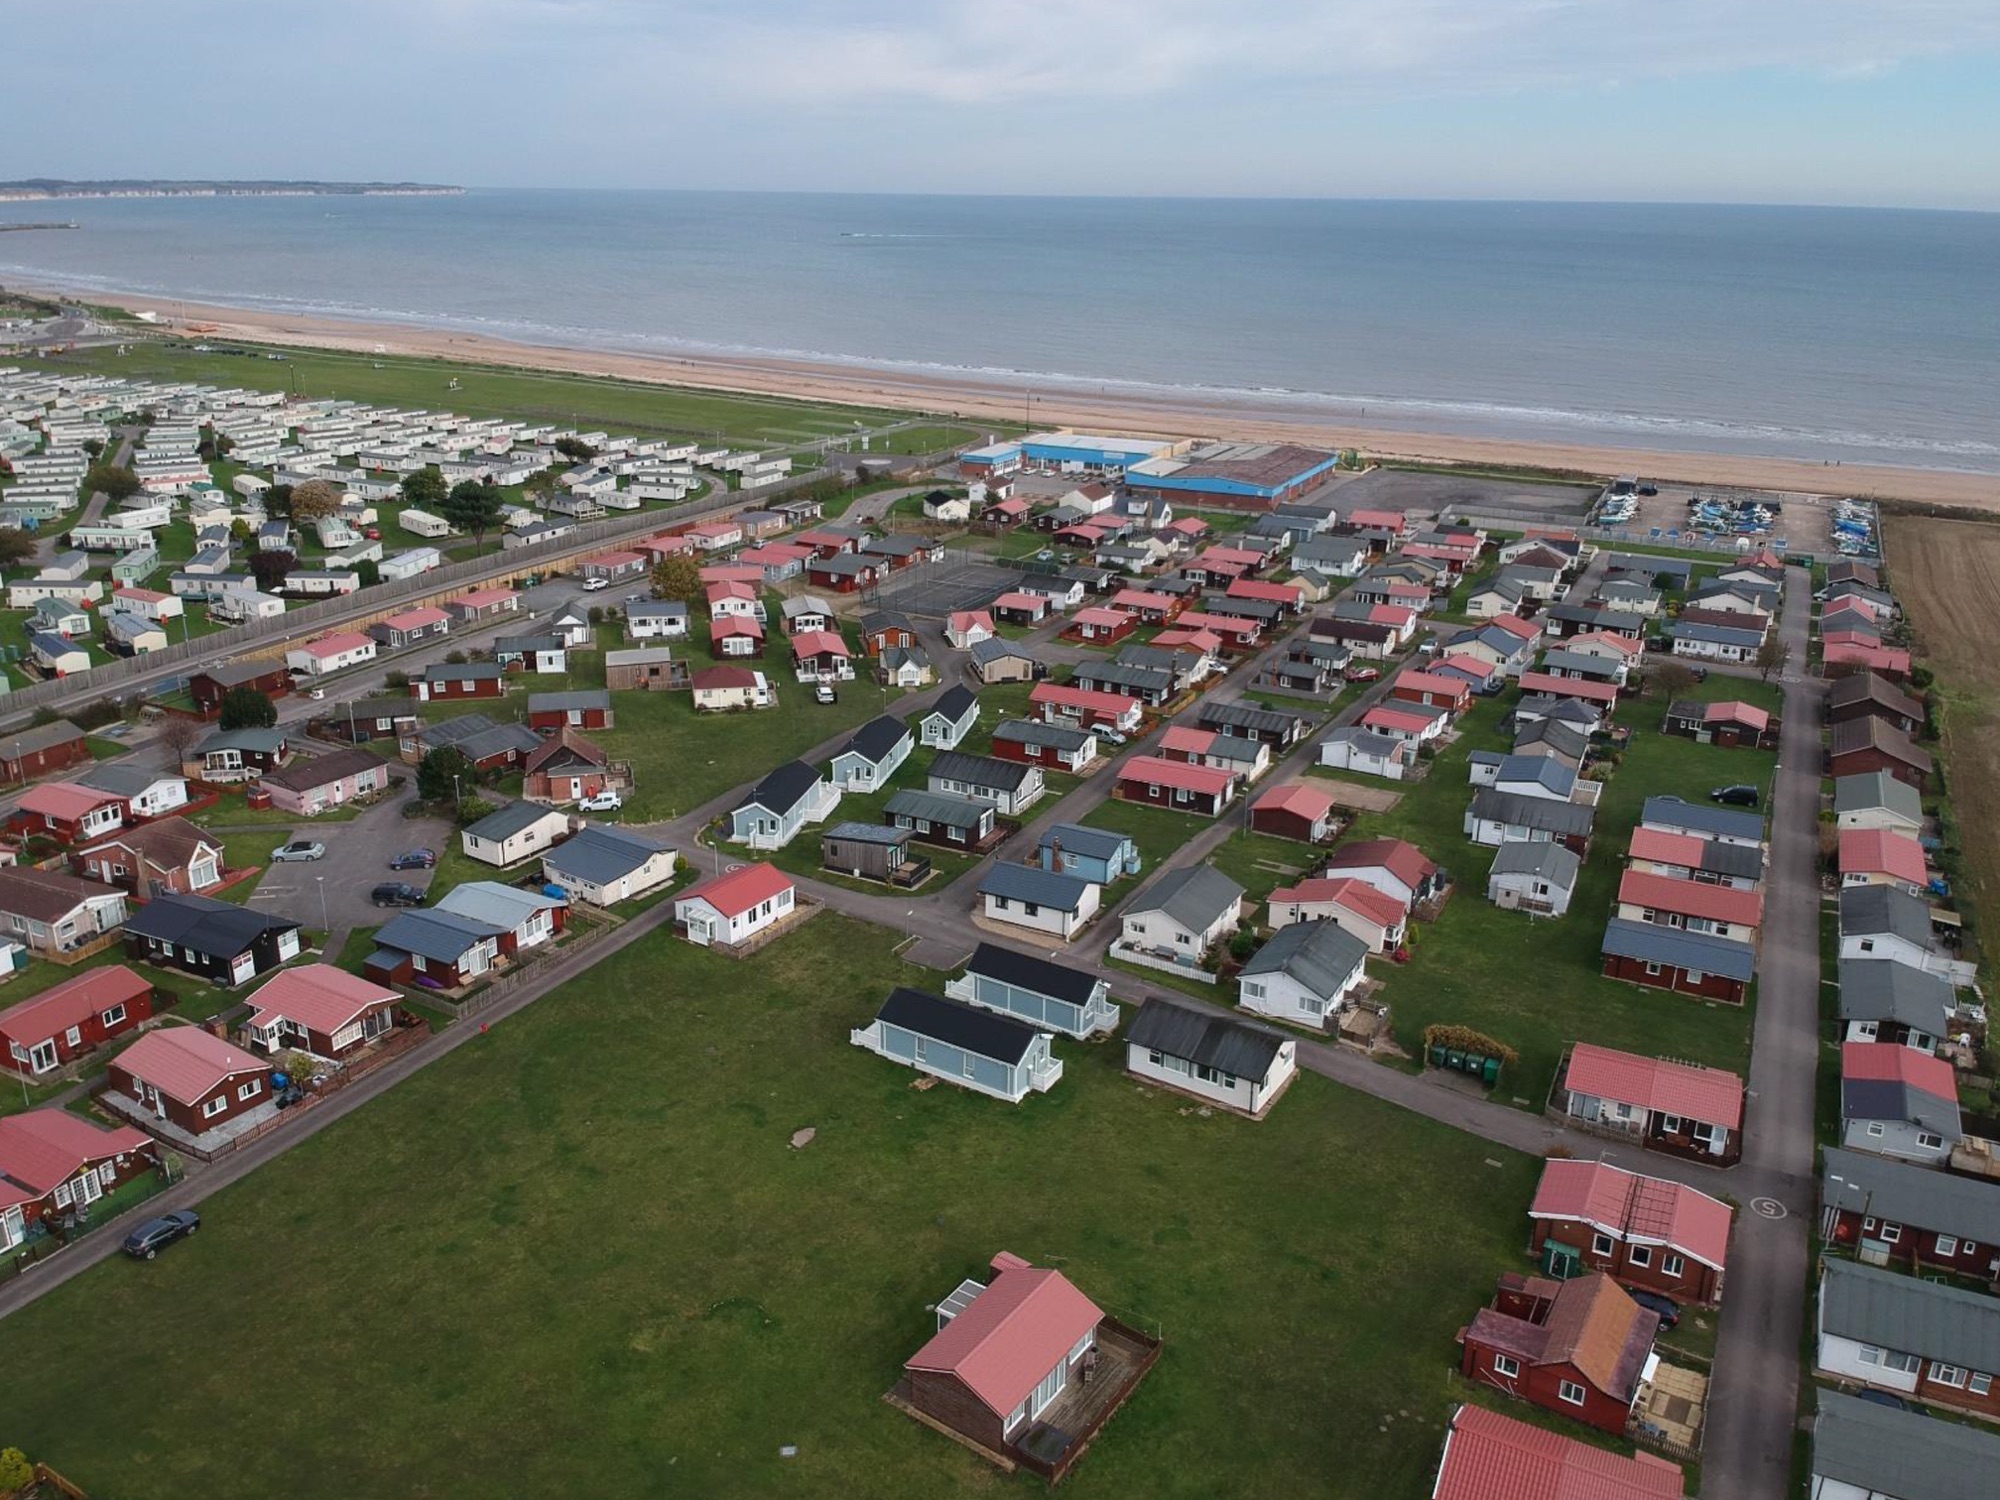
point(1823, 334)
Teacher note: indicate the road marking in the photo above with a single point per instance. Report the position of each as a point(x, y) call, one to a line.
point(1769, 1208)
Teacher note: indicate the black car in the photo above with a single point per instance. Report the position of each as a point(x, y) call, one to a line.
point(1740, 795)
point(153, 1236)
point(395, 893)
point(1884, 1398)
point(1668, 1309)
point(415, 859)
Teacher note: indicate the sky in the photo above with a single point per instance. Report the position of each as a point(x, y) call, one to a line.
point(1765, 101)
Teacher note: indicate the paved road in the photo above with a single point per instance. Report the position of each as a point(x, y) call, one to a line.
point(333, 893)
point(1748, 1448)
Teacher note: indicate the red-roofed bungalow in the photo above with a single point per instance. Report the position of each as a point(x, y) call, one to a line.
point(1644, 1231)
point(1024, 1354)
point(53, 1162)
point(1488, 1456)
point(1100, 625)
point(1184, 787)
point(67, 1020)
point(1676, 1107)
point(1295, 811)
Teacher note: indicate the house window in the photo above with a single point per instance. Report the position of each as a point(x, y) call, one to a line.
point(1602, 1244)
point(213, 1108)
point(1950, 1375)
point(1571, 1392)
point(1928, 1141)
point(251, 1089)
point(114, 1016)
point(1704, 1134)
point(1672, 1265)
point(1031, 909)
point(1891, 1233)
point(1670, 1124)
point(1979, 1385)
point(1875, 1128)
point(1505, 1367)
point(1000, 903)
point(1947, 1244)
point(1652, 971)
point(920, 1049)
point(1253, 989)
point(1642, 1255)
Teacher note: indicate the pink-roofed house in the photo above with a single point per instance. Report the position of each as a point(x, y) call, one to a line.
point(53, 1162)
point(1488, 1456)
point(735, 907)
point(331, 653)
point(621, 563)
point(69, 1019)
point(1882, 856)
point(735, 635)
point(1727, 725)
point(68, 812)
point(408, 627)
point(1100, 625)
point(968, 627)
point(319, 1009)
point(191, 1080)
point(1642, 1231)
point(483, 604)
point(1023, 1352)
point(1295, 811)
point(1676, 1107)
point(1371, 914)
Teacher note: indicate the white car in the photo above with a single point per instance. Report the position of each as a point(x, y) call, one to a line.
point(596, 585)
point(303, 849)
point(606, 801)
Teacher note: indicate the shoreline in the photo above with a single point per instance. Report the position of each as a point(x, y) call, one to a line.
point(970, 398)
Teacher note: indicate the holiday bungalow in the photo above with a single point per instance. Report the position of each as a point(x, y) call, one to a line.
point(963, 1044)
point(1675, 1107)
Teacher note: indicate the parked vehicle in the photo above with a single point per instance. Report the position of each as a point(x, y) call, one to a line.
point(415, 859)
point(605, 801)
point(823, 693)
point(153, 1236)
point(300, 849)
point(1740, 795)
point(1668, 1309)
point(1106, 732)
point(396, 893)
point(1362, 674)
point(596, 585)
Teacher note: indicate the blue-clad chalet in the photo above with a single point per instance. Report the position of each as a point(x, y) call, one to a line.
point(962, 1044)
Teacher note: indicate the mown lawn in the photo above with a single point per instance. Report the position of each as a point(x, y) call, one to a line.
point(1535, 984)
point(579, 1257)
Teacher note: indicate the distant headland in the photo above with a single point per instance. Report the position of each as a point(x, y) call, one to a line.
point(162, 187)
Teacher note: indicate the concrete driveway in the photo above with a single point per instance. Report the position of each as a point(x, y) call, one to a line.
point(357, 860)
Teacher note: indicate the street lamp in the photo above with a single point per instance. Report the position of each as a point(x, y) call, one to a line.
point(325, 925)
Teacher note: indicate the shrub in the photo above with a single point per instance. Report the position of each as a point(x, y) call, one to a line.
point(16, 1473)
point(452, 658)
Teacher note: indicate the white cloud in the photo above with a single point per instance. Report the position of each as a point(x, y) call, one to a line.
point(988, 52)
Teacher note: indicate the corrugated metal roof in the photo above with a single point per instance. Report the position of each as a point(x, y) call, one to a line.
point(1883, 1451)
point(1203, 1037)
point(1895, 1311)
point(1680, 949)
point(1322, 956)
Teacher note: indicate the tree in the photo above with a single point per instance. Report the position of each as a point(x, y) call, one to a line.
point(16, 1473)
point(443, 772)
point(424, 489)
point(179, 735)
point(315, 498)
point(1672, 678)
point(544, 482)
point(115, 480)
point(678, 578)
point(240, 529)
point(368, 571)
point(1772, 656)
point(16, 546)
point(246, 708)
point(94, 447)
point(278, 502)
point(575, 448)
point(272, 568)
point(473, 505)
point(472, 809)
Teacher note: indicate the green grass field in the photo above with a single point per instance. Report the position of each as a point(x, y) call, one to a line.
point(623, 406)
point(1469, 966)
point(578, 1258)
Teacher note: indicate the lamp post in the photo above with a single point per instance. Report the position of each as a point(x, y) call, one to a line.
point(325, 925)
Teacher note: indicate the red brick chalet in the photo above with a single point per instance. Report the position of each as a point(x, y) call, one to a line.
point(1574, 1347)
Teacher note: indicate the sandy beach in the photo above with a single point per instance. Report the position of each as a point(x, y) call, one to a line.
point(1108, 410)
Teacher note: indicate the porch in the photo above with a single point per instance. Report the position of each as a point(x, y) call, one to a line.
point(1059, 1437)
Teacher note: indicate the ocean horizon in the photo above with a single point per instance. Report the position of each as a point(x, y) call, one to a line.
point(1819, 334)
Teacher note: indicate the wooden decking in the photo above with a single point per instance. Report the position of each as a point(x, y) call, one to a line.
point(1124, 1355)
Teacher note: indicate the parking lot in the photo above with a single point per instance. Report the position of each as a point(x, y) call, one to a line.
point(1804, 523)
point(1430, 493)
point(357, 860)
